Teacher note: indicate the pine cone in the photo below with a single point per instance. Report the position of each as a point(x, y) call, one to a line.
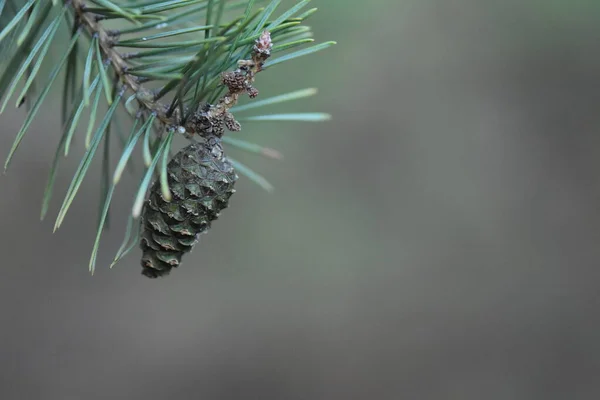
point(201, 181)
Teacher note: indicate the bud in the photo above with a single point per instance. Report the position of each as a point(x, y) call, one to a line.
point(263, 43)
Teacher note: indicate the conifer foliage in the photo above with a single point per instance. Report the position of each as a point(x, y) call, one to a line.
point(177, 67)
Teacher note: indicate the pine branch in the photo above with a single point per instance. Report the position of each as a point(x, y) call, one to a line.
point(184, 78)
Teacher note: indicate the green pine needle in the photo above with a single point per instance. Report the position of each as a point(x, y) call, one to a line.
point(141, 195)
point(265, 16)
point(252, 175)
point(92, 119)
point(133, 138)
point(130, 14)
point(299, 53)
point(103, 75)
point(73, 124)
point(287, 14)
point(147, 153)
point(305, 117)
point(164, 184)
point(128, 244)
point(30, 21)
point(103, 215)
point(16, 19)
point(296, 95)
point(253, 148)
point(87, 72)
point(163, 35)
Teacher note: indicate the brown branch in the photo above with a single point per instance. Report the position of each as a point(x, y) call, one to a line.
point(119, 65)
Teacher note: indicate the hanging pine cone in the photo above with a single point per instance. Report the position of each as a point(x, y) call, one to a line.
point(201, 180)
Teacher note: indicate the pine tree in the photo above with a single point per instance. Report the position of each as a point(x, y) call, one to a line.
point(187, 64)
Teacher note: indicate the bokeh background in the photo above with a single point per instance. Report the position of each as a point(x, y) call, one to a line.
point(438, 239)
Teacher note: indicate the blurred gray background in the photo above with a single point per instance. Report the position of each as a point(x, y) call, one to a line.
point(438, 239)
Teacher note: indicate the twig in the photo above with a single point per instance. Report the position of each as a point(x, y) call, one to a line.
point(210, 119)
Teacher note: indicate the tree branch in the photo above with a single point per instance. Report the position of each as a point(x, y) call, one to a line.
point(211, 119)
point(144, 96)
